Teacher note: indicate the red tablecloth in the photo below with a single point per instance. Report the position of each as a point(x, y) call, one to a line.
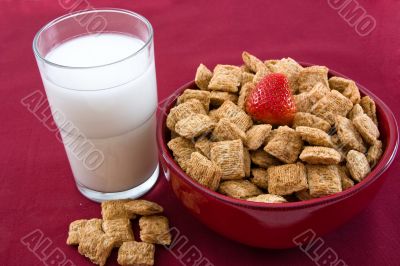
point(37, 191)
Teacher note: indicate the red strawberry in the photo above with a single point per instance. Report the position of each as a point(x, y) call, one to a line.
point(271, 101)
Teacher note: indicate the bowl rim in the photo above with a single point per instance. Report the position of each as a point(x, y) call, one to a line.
point(383, 164)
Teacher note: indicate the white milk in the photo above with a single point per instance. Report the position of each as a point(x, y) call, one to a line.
point(113, 106)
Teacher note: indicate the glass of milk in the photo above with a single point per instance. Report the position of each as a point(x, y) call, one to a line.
point(98, 72)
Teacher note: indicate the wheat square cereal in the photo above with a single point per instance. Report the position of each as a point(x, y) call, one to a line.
point(332, 104)
point(236, 115)
point(247, 162)
point(286, 179)
point(119, 229)
point(256, 135)
point(252, 62)
point(304, 101)
point(143, 207)
point(203, 145)
point(96, 246)
point(315, 136)
point(268, 198)
point(355, 111)
point(75, 230)
point(204, 171)
point(188, 108)
point(323, 180)
point(309, 76)
point(358, 165)
point(225, 130)
point(374, 153)
point(320, 155)
point(290, 68)
point(260, 178)
point(228, 155)
point(201, 96)
point(115, 209)
point(240, 189)
point(347, 87)
point(203, 77)
point(369, 108)
point(346, 181)
point(244, 92)
point(194, 126)
point(260, 75)
point(348, 135)
point(263, 159)
point(155, 230)
point(286, 145)
point(136, 253)
point(217, 98)
point(303, 194)
point(226, 78)
point(367, 128)
point(247, 77)
point(310, 120)
point(182, 149)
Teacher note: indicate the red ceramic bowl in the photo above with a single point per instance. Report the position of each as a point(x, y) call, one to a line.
point(275, 225)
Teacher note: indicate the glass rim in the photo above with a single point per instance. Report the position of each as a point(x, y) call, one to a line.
point(53, 22)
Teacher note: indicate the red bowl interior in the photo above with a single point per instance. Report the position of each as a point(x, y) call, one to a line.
point(389, 136)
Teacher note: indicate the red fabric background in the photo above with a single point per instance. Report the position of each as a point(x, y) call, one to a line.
point(37, 190)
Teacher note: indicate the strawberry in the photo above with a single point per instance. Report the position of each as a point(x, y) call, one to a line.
point(271, 101)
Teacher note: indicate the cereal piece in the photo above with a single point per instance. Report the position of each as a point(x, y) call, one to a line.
point(347, 87)
point(236, 115)
point(96, 246)
point(74, 233)
point(203, 145)
point(115, 209)
point(332, 104)
point(217, 98)
point(286, 179)
point(247, 162)
point(348, 134)
point(323, 180)
point(286, 145)
point(203, 77)
point(225, 130)
point(244, 92)
point(143, 207)
point(204, 171)
point(155, 230)
point(247, 77)
point(315, 136)
point(304, 101)
point(119, 229)
point(320, 155)
point(263, 159)
point(344, 177)
point(309, 76)
point(226, 78)
point(239, 189)
point(271, 63)
point(181, 148)
point(355, 111)
point(228, 155)
point(256, 136)
point(368, 105)
point(358, 165)
point(374, 153)
point(201, 96)
point(136, 253)
point(260, 75)
point(252, 62)
point(194, 126)
point(260, 178)
point(367, 129)
point(184, 110)
point(310, 120)
point(290, 68)
point(244, 68)
point(270, 136)
point(268, 198)
point(303, 194)
point(213, 115)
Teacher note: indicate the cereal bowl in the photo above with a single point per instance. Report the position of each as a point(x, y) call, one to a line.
point(275, 225)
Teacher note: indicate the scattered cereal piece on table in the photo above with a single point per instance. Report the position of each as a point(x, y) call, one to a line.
point(119, 229)
point(96, 246)
point(268, 198)
point(323, 180)
point(240, 189)
point(287, 179)
point(75, 230)
point(115, 209)
point(228, 155)
point(143, 207)
point(204, 171)
point(155, 230)
point(358, 165)
point(136, 253)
